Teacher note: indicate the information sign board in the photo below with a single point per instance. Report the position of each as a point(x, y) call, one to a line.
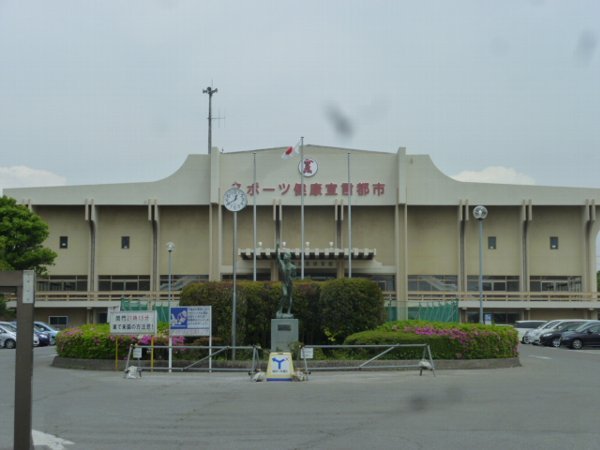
point(191, 321)
point(132, 322)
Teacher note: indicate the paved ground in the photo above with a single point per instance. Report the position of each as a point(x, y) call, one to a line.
point(551, 402)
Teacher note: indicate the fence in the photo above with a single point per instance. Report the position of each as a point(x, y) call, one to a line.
point(426, 361)
point(251, 366)
point(435, 312)
point(254, 365)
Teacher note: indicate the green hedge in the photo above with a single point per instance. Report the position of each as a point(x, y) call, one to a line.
point(348, 306)
point(447, 341)
point(327, 311)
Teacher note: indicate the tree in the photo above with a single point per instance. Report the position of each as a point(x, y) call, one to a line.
point(22, 233)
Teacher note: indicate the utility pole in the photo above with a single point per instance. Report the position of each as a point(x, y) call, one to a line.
point(210, 91)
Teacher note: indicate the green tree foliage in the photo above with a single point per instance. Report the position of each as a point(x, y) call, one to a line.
point(348, 306)
point(22, 233)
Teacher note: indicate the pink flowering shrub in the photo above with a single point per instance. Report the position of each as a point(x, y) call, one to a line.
point(446, 340)
point(94, 341)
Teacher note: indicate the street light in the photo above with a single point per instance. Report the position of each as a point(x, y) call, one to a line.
point(480, 213)
point(170, 249)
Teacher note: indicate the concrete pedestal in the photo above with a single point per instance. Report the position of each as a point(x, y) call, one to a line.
point(284, 332)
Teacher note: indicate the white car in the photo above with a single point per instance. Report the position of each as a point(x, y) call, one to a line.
point(533, 336)
point(523, 326)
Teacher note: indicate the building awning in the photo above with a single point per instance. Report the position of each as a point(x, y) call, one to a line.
point(309, 253)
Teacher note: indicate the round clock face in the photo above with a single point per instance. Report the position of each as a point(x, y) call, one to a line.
point(480, 212)
point(235, 199)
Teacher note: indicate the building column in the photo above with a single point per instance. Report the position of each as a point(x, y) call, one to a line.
point(463, 220)
point(90, 216)
point(154, 219)
point(589, 251)
point(401, 238)
point(525, 219)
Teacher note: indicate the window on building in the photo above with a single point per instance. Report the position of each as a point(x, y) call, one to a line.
point(62, 283)
point(125, 242)
point(553, 242)
point(124, 283)
point(538, 283)
point(492, 242)
point(58, 322)
point(178, 282)
point(503, 283)
point(64, 242)
point(432, 282)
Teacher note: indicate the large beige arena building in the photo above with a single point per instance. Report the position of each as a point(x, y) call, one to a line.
point(411, 229)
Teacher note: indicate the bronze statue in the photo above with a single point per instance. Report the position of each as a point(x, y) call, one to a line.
point(288, 272)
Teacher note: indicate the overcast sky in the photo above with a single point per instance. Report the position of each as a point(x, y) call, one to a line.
point(111, 90)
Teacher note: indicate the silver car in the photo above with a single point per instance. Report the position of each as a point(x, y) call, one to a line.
point(7, 326)
point(8, 339)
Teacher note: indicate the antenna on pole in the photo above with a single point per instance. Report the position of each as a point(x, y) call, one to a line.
point(210, 91)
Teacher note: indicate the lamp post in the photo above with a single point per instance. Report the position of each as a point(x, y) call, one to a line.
point(480, 213)
point(170, 249)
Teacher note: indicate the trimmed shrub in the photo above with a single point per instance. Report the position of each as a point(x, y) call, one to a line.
point(91, 342)
point(218, 294)
point(95, 342)
point(349, 306)
point(446, 340)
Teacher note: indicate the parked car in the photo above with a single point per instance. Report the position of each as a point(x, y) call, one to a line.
point(10, 326)
point(52, 332)
point(8, 339)
point(587, 335)
point(532, 335)
point(535, 338)
point(552, 337)
point(523, 326)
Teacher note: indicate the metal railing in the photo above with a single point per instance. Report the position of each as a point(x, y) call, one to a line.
point(426, 362)
point(213, 352)
point(528, 296)
point(389, 296)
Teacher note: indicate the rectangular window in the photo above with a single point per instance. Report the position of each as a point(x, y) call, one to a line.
point(123, 283)
point(553, 242)
point(555, 283)
point(432, 282)
point(63, 283)
point(125, 242)
point(509, 283)
point(64, 242)
point(58, 322)
point(492, 242)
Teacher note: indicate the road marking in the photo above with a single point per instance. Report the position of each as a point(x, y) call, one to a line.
point(49, 440)
point(539, 357)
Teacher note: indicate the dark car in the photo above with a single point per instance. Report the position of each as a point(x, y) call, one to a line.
point(42, 337)
point(552, 337)
point(587, 335)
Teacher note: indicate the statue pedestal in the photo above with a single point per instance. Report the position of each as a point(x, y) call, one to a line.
point(284, 332)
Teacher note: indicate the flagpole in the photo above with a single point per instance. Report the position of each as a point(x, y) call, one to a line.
point(254, 193)
point(302, 208)
point(349, 221)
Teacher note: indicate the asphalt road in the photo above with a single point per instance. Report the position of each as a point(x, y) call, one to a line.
point(551, 402)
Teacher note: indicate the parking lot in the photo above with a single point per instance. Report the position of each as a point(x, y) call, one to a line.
point(548, 403)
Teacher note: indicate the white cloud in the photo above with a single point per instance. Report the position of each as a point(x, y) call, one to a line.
point(23, 176)
point(495, 174)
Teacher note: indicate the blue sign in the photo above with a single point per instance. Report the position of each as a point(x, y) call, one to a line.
point(190, 321)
